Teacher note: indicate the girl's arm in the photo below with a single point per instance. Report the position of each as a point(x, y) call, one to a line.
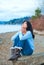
point(25, 36)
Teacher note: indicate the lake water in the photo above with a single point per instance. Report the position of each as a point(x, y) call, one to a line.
point(9, 28)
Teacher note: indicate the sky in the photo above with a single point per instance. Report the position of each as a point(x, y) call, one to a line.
point(10, 9)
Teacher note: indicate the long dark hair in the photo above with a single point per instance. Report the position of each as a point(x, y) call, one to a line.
point(29, 28)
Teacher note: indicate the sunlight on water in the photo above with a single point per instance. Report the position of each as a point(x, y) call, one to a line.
point(9, 28)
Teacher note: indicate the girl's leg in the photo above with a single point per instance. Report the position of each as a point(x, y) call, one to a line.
point(17, 43)
point(16, 49)
point(27, 50)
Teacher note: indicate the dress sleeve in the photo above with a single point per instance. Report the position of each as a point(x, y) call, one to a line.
point(14, 36)
point(25, 36)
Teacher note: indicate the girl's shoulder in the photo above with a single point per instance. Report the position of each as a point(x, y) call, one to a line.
point(28, 32)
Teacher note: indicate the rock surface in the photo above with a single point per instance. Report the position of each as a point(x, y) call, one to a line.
point(35, 59)
point(38, 23)
point(6, 43)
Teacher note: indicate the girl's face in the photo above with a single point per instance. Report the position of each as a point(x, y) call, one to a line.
point(23, 27)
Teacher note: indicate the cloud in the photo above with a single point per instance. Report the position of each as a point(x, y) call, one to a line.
point(10, 9)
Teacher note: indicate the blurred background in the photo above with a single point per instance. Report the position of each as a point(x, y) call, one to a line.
point(12, 15)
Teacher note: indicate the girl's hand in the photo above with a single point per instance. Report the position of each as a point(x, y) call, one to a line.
point(23, 32)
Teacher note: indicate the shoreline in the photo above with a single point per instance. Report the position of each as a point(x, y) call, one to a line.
point(38, 32)
point(35, 32)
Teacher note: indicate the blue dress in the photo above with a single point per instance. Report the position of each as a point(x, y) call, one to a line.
point(26, 42)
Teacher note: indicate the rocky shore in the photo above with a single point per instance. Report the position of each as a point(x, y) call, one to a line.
point(6, 43)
